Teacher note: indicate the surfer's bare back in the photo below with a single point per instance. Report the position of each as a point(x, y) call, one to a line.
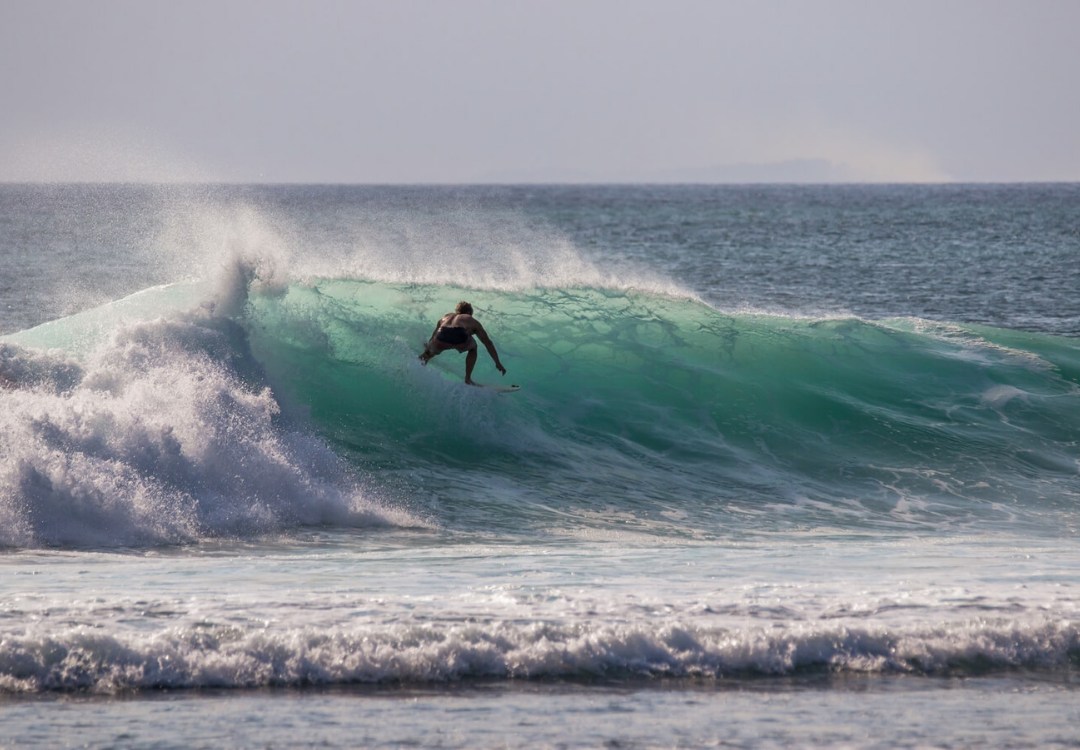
point(455, 331)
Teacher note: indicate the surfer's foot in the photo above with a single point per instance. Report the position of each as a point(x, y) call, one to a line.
point(470, 382)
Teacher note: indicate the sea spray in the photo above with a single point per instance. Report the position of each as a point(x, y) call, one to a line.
point(166, 433)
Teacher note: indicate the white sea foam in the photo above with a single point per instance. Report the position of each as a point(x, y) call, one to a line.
point(166, 433)
point(85, 659)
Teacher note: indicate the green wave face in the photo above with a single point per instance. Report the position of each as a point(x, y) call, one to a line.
point(652, 413)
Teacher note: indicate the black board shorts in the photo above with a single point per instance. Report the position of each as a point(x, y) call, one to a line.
point(452, 338)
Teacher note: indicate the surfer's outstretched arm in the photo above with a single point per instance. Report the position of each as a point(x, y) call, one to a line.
point(486, 340)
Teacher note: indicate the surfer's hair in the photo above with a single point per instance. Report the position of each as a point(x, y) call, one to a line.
point(464, 308)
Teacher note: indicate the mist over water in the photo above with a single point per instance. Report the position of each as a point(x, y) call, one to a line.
point(997, 255)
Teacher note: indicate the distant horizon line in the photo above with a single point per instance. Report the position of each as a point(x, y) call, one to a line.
point(541, 183)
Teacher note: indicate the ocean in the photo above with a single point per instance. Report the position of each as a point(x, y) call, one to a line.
point(789, 466)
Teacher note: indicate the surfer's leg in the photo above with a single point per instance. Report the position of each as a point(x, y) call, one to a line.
point(470, 363)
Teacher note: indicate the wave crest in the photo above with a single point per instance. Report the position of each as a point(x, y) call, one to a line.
point(227, 657)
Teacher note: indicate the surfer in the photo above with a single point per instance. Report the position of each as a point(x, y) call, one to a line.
point(455, 331)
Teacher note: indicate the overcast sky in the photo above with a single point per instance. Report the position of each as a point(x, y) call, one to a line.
point(405, 91)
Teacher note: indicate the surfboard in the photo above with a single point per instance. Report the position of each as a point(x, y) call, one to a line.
point(499, 388)
point(434, 362)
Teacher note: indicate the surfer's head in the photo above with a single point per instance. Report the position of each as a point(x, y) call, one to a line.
point(463, 308)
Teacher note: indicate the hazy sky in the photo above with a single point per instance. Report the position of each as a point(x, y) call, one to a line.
point(539, 90)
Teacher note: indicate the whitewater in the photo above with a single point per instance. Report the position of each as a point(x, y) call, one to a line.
point(788, 464)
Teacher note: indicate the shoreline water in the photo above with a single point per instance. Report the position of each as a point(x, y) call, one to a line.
point(816, 712)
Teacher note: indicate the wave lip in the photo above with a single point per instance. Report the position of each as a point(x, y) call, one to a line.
point(229, 658)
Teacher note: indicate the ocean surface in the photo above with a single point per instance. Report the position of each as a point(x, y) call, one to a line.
point(789, 466)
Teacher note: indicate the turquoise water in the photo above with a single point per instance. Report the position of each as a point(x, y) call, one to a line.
point(632, 399)
point(791, 455)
